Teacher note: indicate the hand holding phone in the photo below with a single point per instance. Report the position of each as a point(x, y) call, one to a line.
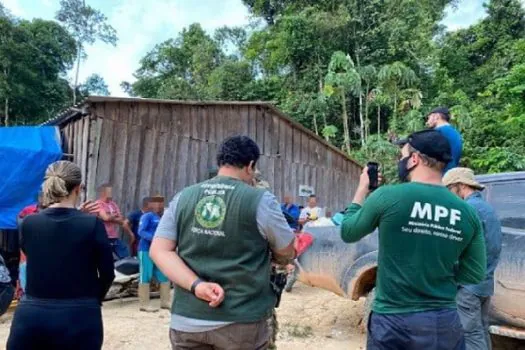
point(373, 175)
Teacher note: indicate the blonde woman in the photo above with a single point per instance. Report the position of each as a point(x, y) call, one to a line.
point(69, 270)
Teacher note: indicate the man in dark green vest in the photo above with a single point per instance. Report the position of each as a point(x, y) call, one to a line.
point(216, 242)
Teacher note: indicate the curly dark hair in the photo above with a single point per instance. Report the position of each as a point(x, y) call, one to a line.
point(238, 151)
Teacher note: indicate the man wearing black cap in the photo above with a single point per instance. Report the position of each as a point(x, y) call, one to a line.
point(430, 242)
point(439, 119)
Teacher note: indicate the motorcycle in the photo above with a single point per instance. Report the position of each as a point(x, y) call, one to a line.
point(126, 280)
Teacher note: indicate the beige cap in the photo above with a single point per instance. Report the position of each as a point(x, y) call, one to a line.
point(263, 184)
point(259, 180)
point(462, 176)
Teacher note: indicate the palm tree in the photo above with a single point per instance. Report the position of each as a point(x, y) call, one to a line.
point(317, 108)
point(342, 78)
point(379, 99)
point(394, 78)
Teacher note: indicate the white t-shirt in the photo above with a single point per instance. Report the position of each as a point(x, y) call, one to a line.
point(314, 213)
point(321, 222)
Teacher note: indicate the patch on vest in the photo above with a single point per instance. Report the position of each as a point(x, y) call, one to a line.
point(210, 212)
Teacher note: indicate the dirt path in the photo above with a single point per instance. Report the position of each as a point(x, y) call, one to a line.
point(309, 319)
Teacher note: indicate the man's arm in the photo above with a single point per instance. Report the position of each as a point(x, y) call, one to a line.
point(362, 217)
point(273, 225)
point(106, 217)
point(90, 207)
point(473, 260)
point(163, 253)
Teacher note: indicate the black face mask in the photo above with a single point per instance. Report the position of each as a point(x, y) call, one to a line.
point(402, 169)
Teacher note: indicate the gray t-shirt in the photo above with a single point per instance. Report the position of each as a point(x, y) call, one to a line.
point(272, 226)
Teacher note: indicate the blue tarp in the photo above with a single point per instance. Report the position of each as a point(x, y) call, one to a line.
point(25, 153)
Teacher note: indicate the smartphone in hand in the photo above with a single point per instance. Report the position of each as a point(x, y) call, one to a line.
point(373, 175)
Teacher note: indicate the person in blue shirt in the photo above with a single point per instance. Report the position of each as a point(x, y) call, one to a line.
point(474, 300)
point(147, 227)
point(132, 222)
point(439, 119)
point(293, 210)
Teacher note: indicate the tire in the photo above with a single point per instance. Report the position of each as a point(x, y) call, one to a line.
point(505, 343)
point(368, 309)
point(273, 329)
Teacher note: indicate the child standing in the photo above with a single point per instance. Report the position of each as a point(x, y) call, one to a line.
point(147, 227)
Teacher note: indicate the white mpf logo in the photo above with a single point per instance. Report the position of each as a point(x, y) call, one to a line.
point(434, 212)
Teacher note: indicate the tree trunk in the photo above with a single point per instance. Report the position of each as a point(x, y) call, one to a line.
point(367, 121)
point(315, 125)
point(345, 123)
point(323, 114)
point(6, 120)
point(361, 120)
point(75, 85)
point(321, 87)
point(394, 118)
point(378, 120)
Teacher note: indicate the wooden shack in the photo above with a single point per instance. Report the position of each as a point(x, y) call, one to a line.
point(146, 146)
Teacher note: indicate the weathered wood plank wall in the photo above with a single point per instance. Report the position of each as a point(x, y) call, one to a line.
point(145, 148)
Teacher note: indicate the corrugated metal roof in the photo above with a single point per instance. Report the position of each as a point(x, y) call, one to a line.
point(76, 110)
point(81, 109)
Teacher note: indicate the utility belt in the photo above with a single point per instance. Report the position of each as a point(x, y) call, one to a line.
point(278, 282)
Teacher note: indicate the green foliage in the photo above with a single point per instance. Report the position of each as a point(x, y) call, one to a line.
point(181, 68)
point(230, 80)
point(370, 69)
point(482, 78)
point(342, 78)
point(34, 57)
point(94, 85)
point(329, 132)
point(385, 153)
point(86, 25)
point(363, 67)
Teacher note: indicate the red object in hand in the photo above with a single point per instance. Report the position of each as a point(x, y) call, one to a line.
point(302, 242)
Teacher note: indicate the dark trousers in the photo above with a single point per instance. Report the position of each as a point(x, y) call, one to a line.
point(236, 336)
point(7, 292)
point(474, 315)
point(120, 249)
point(428, 330)
point(56, 324)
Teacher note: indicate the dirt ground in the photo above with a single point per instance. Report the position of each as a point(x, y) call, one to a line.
point(309, 318)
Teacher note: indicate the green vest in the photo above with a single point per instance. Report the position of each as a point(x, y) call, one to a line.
point(219, 240)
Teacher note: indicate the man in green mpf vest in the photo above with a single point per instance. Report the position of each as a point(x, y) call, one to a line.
point(216, 242)
point(430, 243)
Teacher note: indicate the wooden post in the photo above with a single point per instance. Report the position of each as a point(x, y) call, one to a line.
point(94, 146)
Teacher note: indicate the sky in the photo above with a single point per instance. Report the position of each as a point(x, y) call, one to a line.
point(141, 24)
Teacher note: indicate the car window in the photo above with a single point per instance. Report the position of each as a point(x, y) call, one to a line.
point(508, 199)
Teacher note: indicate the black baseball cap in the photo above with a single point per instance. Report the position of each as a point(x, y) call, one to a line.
point(431, 143)
point(441, 110)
